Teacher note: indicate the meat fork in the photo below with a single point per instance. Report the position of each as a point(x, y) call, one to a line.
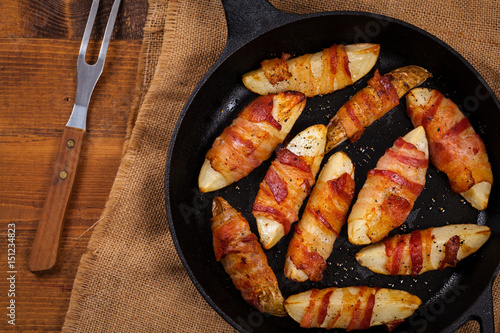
point(45, 249)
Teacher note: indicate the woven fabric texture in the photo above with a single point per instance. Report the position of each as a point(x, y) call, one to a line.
point(130, 279)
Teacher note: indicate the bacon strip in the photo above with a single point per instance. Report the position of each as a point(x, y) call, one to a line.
point(307, 261)
point(454, 146)
point(276, 185)
point(354, 323)
point(394, 248)
point(389, 192)
point(350, 308)
point(367, 105)
point(318, 216)
point(411, 253)
point(416, 252)
point(246, 143)
point(398, 180)
point(295, 179)
point(340, 74)
point(451, 250)
point(323, 308)
point(361, 312)
point(394, 324)
point(259, 110)
point(239, 251)
point(327, 209)
point(276, 69)
point(286, 157)
point(367, 316)
point(307, 320)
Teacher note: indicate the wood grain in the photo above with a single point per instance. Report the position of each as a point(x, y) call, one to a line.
point(37, 89)
point(66, 19)
point(45, 249)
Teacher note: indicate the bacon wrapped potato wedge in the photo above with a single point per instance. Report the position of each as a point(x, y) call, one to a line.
point(390, 190)
point(239, 251)
point(455, 148)
point(250, 139)
point(287, 183)
point(351, 308)
point(369, 104)
point(322, 220)
point(314, 74)
point(423, 250)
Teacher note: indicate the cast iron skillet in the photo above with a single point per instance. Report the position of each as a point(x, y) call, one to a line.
point(257, 31)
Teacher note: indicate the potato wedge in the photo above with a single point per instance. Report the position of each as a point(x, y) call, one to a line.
point(287, 183)
point(250, 139)
point(314, 74)
point(239, 251)
point(369, 104)
point(322, 220)
point(423, 250)
point(351, 307)
point(455, 148)
point(390, 190)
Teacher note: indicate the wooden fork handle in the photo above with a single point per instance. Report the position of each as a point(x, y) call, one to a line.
point(48, 236)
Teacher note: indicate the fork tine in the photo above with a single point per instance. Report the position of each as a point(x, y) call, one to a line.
point(88, 30)
point(109, 31)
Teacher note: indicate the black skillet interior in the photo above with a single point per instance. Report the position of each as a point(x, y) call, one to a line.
point(449, 296)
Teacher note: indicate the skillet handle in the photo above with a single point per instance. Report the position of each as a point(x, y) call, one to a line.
point(482, 311)
point(247, 19)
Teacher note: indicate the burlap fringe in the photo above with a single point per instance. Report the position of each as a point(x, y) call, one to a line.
point(135, 131)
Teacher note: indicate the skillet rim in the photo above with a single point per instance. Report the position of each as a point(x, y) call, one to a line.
point(232, 47)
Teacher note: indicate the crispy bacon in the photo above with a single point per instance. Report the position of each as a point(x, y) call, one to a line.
point(342, 187)
point(354, 323)
point(285, 156)
point(409, 253)
point(423, 250)
point(339, 65)
point(390, 191)
point(249, 140)
point(454, 146)
point(276, 214)
point(327, 207)
point(296, 180)
point(358, 308)
point(276, 185)
point(307, 261)
point(394, 210)
point(367, 316)
point(394, 324)
point(411, 161)
point(350, 308)
point(239, 251)
point(276, 69)
point(416, 252)
point(323, 309)
point(367, 105)
point(394, 248)
point(398, 180)
point(451, 250)
point(307, 320)
point(260, 109)
point(318, 216)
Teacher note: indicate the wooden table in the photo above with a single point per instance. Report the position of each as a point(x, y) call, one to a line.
point(39, 44)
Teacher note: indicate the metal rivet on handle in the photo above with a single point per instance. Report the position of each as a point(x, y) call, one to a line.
point(63, 174)
point(70, 143)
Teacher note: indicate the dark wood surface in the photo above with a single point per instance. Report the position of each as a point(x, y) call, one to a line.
point(39, 44)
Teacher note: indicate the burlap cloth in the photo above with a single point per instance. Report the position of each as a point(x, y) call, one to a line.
point(130, 279)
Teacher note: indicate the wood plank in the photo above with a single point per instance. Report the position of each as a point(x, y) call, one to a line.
point(39, 84)
point(37, 94)
point(66, 19)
